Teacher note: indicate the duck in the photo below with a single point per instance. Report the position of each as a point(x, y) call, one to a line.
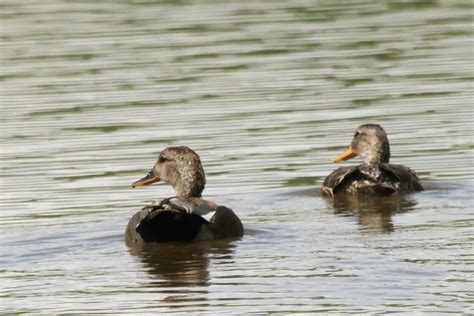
point(179, 218)
point(375, 176)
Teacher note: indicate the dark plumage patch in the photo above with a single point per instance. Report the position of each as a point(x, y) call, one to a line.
point(161, 226)
point(164, 225)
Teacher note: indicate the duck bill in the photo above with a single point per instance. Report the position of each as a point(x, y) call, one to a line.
point(348, 154)
point(150, 178)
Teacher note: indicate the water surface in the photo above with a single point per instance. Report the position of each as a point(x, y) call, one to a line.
point(267, 93)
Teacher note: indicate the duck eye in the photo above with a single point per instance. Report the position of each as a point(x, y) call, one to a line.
point(356, 134)
point(162, 159)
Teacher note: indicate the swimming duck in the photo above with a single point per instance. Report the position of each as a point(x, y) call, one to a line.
point(179, 218)
point(376, 175)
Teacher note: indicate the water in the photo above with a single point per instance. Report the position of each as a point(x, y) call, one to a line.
point(267, 93)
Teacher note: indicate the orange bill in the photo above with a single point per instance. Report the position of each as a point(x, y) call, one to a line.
point(150, 178)
point(348, 154)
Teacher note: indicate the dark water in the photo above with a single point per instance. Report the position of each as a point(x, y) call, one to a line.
point(267, 93)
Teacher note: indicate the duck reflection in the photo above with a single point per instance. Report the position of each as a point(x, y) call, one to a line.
point(373, 212)
point(181, 264)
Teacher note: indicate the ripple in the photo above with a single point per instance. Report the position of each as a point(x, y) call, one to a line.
point(267, 93)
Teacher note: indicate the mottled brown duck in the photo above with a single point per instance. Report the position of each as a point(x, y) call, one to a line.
point(179, 218)
point(376, 176)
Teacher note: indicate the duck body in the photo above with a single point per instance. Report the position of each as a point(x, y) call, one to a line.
point(371, 180)
point(179, 218)
point(376, 176)
point(169, 221)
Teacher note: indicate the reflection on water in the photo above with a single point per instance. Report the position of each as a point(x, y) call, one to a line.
point(180, 271)
point(175, 264)
point(180, 264)
point(373, 212)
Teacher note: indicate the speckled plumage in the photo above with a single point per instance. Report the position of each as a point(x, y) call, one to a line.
point(375, 175)
point(181, 167)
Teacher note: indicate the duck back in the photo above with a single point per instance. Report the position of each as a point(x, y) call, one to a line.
point(379, 179)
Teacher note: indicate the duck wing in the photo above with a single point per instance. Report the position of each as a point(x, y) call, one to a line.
point(335, 181)
point(408, 178)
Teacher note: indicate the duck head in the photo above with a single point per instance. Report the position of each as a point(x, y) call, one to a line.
point(179, 166)
point(371, 143)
